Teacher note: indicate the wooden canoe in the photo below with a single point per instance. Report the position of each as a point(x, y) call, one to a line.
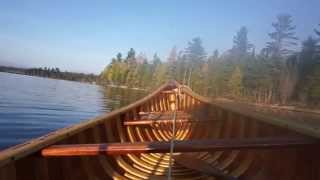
point(212, 141)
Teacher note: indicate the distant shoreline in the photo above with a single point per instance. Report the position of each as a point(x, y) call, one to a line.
point(95, 81)
point(122, 87)
point(51, 73)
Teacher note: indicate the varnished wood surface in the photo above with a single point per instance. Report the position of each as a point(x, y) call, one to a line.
point(293, 162)
point(179, 146)
point(191, 161)
point(150, 122)
point(307, 123)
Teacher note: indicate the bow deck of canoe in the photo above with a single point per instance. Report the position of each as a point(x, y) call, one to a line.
point(212, 140)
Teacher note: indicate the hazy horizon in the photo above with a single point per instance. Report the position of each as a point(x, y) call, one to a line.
point(84, 36)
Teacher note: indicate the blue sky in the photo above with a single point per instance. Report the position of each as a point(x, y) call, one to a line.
point(84, 35)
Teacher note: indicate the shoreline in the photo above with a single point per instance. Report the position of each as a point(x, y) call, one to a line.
point(23, 74)
point(121, 86)
point(86, 82)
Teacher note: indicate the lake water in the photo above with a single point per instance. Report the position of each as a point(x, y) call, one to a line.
point(33, 106)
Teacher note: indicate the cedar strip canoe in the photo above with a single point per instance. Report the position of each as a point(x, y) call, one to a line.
point(213, 141)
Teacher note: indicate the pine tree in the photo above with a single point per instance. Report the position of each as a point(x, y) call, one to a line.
point(119, 57)
point(318, 39)
point(307, 58)
point(172, 63)
point(278, 51)
point(312, 67)
point(195, 51)
point(317, 31)
point(283, 37)
point(241, 44)
point(131, 57)
point(195, 57)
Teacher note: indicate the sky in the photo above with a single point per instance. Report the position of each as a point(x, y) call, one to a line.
point(83, 36)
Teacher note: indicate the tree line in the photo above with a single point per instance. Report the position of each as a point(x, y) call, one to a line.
point(280, 73)
point(51, 73)
point(57, 74)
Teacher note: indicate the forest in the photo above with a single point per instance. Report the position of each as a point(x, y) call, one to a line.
point(285, 71)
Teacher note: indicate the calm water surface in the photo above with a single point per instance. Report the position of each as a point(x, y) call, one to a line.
point(33, 106)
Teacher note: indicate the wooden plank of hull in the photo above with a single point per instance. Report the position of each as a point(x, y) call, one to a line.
point(189, 161)
point(180, 146)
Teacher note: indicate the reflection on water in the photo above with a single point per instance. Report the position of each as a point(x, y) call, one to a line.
point(33, 106)
point(115, 98)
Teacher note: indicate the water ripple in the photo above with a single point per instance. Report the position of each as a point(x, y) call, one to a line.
point(33, 106)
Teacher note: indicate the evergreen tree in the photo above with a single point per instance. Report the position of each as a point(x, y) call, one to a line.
point(172, 63)
point(131, 57)
point(318, 39)
point(195, 51)
point(131, 53)
point(241, 44)
point(283, 68)
point(307, 57)
point(195, 56)
point(283, 37)
point(309, 90)
point(119, 57)
point(317, 31)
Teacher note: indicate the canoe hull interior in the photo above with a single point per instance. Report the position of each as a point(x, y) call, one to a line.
point(25, 162)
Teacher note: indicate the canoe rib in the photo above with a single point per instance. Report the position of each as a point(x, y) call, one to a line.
point(180, 146)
